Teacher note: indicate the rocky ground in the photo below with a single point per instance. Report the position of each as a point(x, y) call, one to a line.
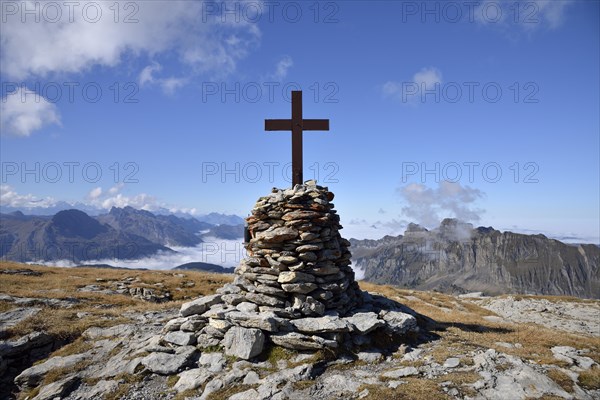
point(63, 342)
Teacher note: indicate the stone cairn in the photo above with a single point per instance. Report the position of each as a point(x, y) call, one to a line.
point(295, 289)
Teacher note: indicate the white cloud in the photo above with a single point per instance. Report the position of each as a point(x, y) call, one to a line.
point(113, 197)
point(426, 79)
point(116, 189)
point(74, 45)
point(97, 199)
point(168, 85)
point(10, 198)
point(23, 111)
point(281, 70)
point(140, 201)
point(526, 14)
point(552, 11)
point(95, 193)
point(146, 76)
point(226, 253)
point(429, 206)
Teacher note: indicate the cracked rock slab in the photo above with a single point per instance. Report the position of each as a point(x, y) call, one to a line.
point(169, 364)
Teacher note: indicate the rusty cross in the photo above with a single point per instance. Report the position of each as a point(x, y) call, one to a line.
point(297, 125)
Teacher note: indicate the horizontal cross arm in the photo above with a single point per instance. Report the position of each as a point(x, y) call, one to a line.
point(278, 124)
point(315, 125)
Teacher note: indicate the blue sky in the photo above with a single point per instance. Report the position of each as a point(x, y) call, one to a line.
point(500, 104)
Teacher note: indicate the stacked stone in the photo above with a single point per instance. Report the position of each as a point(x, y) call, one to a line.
point(299, 264)
point(296, 289)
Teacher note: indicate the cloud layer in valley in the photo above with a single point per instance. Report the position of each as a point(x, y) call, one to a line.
point(226, 253)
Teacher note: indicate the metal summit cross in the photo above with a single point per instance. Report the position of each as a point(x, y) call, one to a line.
point(297, 125)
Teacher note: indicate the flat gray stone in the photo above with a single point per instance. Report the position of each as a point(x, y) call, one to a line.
point(298, 341)
point(169, 364)
point(254, 320)
point(10, 318)
point(174, 324)
point(180, 338)
point(320, 324)
point(365, 322)
point(246, 306)
point(572, 356)
point(295, 276)
point(214, 362)
point(452, 362)
point(57, 389)
point(264, 300)
point(200, 305)
point(277, 235)
point(250, 394)
point(337, 385)
point(251, 378)
point(303, 288)
point(192, 379)
point(401, 372)
point(193, 324)
point(399, 322)
point(211, 387)
point(244, 343)
point(372, 356)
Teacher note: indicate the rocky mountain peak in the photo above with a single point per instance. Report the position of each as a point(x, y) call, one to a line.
point(75, 223)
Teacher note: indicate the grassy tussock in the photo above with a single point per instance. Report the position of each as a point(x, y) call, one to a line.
point(590, 379)
point(563, 380)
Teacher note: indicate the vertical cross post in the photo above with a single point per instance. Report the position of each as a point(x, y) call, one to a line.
point(297, 125)
point(297, 175)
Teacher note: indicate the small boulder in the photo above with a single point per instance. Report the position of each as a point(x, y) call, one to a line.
point(180, 338)
point(169, 364)
point(244, 343)
point(200, 305)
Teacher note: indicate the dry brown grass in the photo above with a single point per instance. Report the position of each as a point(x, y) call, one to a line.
point(590, 379)
point(186, 394)
point(104, 309)
point(563, 380)
point(413, 389)
point(79, 346)
point(63, 283)
point(5, 306)
point(462, 328)
point(228, 391)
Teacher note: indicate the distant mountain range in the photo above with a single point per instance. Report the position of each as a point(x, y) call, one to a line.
point(458, 258)
point(166, 230)
point(206, 267)
point(455, 257)
point(121, 234)
point(212, 218)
